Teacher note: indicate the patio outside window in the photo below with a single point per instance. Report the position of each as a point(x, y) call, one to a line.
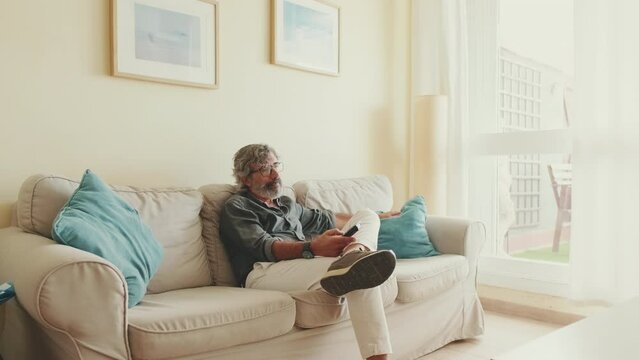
point(521, 144)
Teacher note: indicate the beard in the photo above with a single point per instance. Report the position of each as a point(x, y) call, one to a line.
point(270, 190)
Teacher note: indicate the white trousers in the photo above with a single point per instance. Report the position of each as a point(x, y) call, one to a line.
point(365, 307)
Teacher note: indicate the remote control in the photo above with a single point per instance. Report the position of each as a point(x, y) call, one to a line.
point(352, 230)
point(6, 292)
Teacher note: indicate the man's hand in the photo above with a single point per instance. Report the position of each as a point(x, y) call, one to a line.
point(389, 214)
point(330, 243)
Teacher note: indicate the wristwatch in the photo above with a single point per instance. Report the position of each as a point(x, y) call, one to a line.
point(307, 253)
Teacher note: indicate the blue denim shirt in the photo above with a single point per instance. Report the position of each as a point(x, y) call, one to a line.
point(248, 228)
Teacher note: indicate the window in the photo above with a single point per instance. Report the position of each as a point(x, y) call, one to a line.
point(523, 68)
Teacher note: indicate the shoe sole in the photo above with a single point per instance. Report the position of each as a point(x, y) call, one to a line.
point(365, 273)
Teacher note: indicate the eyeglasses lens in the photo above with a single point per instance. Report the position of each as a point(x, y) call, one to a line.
point(266, 170)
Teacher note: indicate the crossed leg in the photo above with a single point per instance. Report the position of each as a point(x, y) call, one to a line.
point(365, 306)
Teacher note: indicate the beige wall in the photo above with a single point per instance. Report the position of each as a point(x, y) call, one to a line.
point(61, 111)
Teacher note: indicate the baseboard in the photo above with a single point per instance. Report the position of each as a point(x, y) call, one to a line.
point(540, 307)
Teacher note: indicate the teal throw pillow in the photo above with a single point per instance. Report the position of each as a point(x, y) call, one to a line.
point(97, 220)
point(406, 234)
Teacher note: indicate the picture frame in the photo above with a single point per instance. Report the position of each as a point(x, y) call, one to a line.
point(306, 35)
point(166, 41)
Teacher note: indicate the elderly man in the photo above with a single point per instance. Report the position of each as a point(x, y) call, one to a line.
point(277, 244)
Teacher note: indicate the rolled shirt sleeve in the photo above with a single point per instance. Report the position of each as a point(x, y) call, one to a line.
point(315, 221)
point(248, 228)
point(243, 225)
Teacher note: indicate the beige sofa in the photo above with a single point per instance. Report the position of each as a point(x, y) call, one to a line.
point(71, 304)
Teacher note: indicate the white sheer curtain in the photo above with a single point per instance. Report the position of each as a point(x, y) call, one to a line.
point(440, 68)
point(605, 221)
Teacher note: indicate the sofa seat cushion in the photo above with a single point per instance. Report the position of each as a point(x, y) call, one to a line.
point(315, 308)
point(191, 321)
point(423, 278)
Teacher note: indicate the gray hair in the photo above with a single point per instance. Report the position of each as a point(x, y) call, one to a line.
point(254, 154)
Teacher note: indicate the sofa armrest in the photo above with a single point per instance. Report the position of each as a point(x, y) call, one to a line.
point(463, 237)
point(457, 236)
point(78, 296)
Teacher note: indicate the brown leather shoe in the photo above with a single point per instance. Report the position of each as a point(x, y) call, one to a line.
point(358, 270)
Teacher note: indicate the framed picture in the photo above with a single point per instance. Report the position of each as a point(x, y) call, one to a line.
point(306, 35)
point(166, 40)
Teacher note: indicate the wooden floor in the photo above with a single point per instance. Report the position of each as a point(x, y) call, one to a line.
point(503, 333)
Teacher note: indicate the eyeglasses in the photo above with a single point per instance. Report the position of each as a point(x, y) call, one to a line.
point(267, 169)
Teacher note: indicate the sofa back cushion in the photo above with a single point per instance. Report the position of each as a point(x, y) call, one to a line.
point(346, 195)
point(215, 195)
point(171, 213)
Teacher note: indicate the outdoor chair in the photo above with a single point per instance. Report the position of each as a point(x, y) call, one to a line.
point(561, 181)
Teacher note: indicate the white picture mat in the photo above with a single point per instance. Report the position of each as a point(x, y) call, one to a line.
point(127, 63)
point(302, 52)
